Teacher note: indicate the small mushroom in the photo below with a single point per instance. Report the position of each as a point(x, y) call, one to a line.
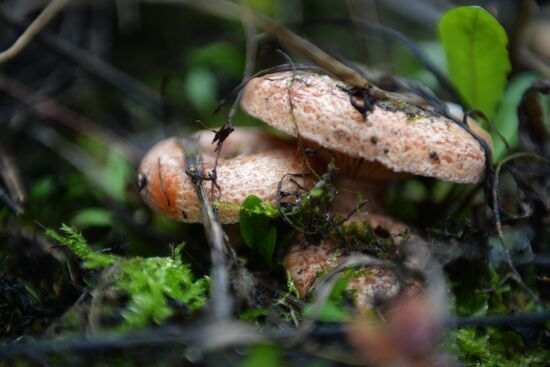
point(306, 262)
point(252, 163)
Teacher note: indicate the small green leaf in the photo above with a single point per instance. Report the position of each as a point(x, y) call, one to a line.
point(257, 229)
point(475, 44)
point(333, 310)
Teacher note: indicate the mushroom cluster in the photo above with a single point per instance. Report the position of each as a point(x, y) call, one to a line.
point(371, 142)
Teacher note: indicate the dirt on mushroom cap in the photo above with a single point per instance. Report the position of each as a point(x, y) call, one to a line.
point(319, 109)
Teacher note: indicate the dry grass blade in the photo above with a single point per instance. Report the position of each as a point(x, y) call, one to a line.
point(49, 108)
point(222, 302)
point(47, 14)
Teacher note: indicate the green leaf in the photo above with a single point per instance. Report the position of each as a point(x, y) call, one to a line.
point(475, 44)
point(265, 355)
point(506, 117)
point(201, 88)
point(333, 310)
point(257, 228)
point(222, 56)
point(91, 217)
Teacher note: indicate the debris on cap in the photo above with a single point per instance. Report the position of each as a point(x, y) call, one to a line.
point(400, 136)
point(166, 187)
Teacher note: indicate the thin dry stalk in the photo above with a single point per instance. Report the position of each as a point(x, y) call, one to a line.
point(47, 14)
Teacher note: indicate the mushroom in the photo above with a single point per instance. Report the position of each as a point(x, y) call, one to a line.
point(252, 163)
point(385, 139)
point(305, 262)
point(371, 141)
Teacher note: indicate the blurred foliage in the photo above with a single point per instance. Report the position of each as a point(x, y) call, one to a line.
point(496, 348)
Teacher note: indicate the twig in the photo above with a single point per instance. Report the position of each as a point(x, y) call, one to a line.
point(95, 66)
point(227, 128)
point(498, 223)
point(71, 152)
point(501, 321)
point(208, 336)
point(222, 302)
point(49, 108)
point(10, 203)
point(11, 177)
point(47, 14)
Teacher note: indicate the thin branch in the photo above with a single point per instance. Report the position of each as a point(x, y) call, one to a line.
point(514, 274)
point(47, 14)
point(222, 302)
point(501, 320)
point(49, 108)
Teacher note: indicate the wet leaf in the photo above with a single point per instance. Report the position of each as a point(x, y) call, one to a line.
point(475, 44)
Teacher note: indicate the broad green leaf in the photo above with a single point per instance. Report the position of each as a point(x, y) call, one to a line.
point(475, 44)
point(257, 229)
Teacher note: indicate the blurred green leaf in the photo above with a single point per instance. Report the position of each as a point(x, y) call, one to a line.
point(90, 217)
point(257, 228)
point(475, 44)
point(116, 174)
point(409, 65)
point(42, 189)
point(333, 310)
point(201, 89)
point(506, 117)
point(267, 7)
point(265, 355)
point(219, 56)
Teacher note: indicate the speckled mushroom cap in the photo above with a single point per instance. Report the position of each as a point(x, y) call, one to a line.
point(399, 136)
point(167, 188)
point(305, 263)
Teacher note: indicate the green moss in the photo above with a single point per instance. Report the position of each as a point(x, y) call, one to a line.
point(495, 348)
point(149, 283)
point(74, 240)
point(394, 105)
